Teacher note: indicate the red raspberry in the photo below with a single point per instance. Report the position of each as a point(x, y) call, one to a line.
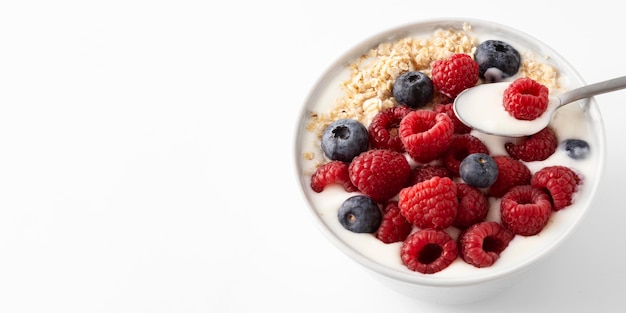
point(560, 182)
point(473, 206)
point(459, 127)
point(525, 99)
point(427, 171)
point(428, 251)
point(394, 226)
point(511, 173)
point(536, 147)
point(481, 244)
point(383, 130)
point(333, 172)
point(430, 204)
point(380, 173)
point(455, 74)
point(525, 210)
point(426, 135)
point(462, 146)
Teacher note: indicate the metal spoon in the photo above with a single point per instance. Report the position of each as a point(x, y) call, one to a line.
point(481, 107)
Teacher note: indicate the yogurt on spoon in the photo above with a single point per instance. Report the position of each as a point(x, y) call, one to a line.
point(481, 107)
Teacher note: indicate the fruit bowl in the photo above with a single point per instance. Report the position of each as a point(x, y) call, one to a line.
point(350, 89)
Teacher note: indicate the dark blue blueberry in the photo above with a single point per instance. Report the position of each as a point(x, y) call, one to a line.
point(497, 60)
point(413, 89)
point(344, 139)
point(478, 170)
point(576, 149)
point(360, 214)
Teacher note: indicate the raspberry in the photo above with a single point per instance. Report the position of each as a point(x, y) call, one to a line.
point(394, 226)
point(431, 203)
point(383, 130)
point(462, 146)
point(536, 147)
point(525, 99)
point(380, 173)
point(560, 182)
point(459, 127)
point(428, 251)
point(473, 206)
point(455, 74)
point(426, 135)
point(525, 210)
point(427, 171)
point(333, 172)
point(511, 173)
point(481, 244)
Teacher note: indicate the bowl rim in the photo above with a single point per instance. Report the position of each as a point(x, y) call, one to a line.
point(397, 33)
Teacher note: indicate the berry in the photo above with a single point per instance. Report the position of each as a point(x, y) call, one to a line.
point(525, 210)
point(455, 74)
point(427, 171)
point(379, 174)
point(360, 214)
point(413, 89)
point(430, 204)
point(394, 226)
point(459, 127)
point(462, 146)
point(473, 206)
point(481, 244)
point(497, 60)
point(344, 139)
point(525, 99)
point(536, 147)
point(576, 149)
point(426, 135)
point(333, 172)
point(383, 130)
point(428, 251)
point(511, 173)
point(478, 170)
point(560, 182)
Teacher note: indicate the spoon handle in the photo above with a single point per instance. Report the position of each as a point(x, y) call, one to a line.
point(592, 90)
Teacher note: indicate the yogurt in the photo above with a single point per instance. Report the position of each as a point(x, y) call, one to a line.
point(572, 121)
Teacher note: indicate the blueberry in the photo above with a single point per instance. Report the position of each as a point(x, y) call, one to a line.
point(478, 170)
point(497, 60)
point(576, 149)
point(360, 214)
point(344, 139)
point(413, 89)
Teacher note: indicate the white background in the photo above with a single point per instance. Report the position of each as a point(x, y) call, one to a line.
point(146, 156)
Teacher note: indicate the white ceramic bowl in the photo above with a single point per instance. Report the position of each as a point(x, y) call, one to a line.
point(460, 282)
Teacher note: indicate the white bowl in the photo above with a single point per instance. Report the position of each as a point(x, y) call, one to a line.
point(460, 282)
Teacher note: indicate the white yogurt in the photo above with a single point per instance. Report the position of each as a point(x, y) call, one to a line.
point(572, 121)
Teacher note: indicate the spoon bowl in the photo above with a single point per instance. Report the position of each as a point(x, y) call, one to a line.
point(481, 107)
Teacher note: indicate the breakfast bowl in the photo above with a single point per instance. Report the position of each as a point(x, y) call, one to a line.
point(359, 87)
